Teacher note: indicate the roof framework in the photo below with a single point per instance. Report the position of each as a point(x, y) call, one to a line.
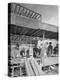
point(23, 11)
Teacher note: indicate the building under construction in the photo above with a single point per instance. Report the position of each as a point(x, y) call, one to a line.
point(32, 44)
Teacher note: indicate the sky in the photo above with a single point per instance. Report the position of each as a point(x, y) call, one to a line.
point(49, 12)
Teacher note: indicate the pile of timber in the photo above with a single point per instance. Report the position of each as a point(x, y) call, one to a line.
point(32, 68)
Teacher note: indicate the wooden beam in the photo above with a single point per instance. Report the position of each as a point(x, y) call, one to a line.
point(31, 15)
point(17, 10)
point(34, 15)
point(39, 16)
point(22, 13)
point(25, 11)
point(21, 9)
point(28, 13)
point(29, 69)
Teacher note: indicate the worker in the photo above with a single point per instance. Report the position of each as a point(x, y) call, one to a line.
point(35, 51)
point(15, 51)
point(22, 52)
point(45, 48)
point(56, 49)
point(50, 49)
point(27, 53)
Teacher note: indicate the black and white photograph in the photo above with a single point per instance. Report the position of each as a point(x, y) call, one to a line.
point(33, 40)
